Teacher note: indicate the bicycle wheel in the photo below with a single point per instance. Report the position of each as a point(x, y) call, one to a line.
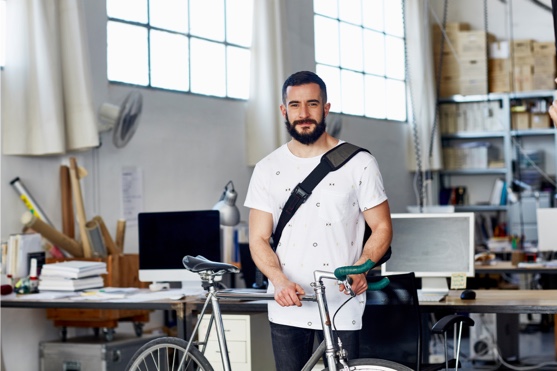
point(168, 354)
point(373, 364)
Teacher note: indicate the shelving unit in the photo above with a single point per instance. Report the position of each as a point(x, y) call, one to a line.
point(479, 181)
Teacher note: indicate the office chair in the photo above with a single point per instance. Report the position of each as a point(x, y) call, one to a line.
point(392, 325)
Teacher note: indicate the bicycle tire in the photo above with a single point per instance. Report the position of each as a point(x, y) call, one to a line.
point(168, 353)
point(373, 364)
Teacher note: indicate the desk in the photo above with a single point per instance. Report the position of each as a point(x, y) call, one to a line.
point(487, 301)
point(502, 267)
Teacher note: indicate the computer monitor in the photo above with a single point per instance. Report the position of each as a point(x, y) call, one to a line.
point(166, 237)
point(433, 246)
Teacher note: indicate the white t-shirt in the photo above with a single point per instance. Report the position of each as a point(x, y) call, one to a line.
point(326, 231)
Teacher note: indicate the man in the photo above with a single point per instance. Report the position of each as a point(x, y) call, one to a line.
point(325, 232)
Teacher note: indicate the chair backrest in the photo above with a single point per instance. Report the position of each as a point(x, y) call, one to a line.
point(392, 322)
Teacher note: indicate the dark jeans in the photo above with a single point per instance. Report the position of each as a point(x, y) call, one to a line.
point(293, 346)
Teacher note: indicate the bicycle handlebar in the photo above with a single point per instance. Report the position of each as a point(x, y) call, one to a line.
point(342, 272)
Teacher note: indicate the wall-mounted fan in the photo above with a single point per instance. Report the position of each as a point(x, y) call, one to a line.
point(122, 119)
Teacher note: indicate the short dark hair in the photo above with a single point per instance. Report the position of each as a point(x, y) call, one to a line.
point(302, 78)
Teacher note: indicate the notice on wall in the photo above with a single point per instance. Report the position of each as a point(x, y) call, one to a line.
point(458, 281)
point(132, 193)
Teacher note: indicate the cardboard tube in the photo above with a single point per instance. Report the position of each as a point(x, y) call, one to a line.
point(120, 233)
point(94, 234)
point(108, 241)
point(54, 236)
point(78, 198)
point(68, 222)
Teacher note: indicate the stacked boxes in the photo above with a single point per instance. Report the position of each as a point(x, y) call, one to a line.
point(521, 65)
point(544, 65)
point(464, 61)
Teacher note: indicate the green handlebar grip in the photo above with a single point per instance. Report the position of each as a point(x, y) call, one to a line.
point(342, 272)
point(381, 284)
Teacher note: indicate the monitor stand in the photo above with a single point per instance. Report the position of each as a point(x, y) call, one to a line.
point(435, 285)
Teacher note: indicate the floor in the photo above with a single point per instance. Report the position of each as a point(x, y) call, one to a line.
point(536, 352)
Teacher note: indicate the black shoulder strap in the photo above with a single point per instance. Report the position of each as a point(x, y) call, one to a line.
point(333, 160)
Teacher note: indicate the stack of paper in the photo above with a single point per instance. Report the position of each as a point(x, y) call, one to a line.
point(72, 275)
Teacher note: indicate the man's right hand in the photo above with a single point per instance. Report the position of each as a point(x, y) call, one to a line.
point(288, 293)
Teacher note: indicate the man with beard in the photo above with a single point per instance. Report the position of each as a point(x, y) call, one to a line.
point(325, 232)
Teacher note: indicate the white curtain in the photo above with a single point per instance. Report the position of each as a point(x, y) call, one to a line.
point(47, 105)
point(264, 124)
point(421, 85)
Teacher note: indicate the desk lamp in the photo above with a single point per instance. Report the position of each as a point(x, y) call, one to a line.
point(229, 217)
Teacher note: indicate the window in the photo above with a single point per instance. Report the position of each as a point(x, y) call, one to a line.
point(2, 33)
point(360, 54)
point(196, 46)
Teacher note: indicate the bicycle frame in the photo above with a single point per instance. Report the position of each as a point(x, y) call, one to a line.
point(327, 347)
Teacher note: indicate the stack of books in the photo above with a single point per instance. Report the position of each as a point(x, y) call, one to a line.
point(73, 275)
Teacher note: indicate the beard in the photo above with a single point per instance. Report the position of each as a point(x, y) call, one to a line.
point(309, 137)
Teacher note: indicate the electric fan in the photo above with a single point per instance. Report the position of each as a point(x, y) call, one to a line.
point(123, 119)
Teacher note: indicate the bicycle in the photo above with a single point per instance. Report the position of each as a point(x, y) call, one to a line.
point(170, 353)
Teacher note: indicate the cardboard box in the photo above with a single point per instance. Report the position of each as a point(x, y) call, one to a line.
point(544, 63)
point(520, 120)
point(499, 66)
point(523, 60)
point(473, 86)
point(452, 27)
point(521, 47)
point(473, 44)
point(473, 67)
point(539, 121)
point(543, 81)
point(523, 78)
point(543, 48)
point(500, 82)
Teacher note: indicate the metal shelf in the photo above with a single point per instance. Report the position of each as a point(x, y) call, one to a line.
point(480, 208)
point(502, 171)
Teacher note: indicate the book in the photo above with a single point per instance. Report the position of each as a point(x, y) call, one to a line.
point(497, 192)
point(74, 269)
point(69, 284)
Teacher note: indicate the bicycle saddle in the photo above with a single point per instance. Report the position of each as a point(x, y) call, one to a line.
point(200, 263)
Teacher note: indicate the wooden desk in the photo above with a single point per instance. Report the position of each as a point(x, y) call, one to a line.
point(502, 267)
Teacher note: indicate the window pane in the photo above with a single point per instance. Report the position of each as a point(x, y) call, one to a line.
point(127, 53)
point(352, 92)
point(326, 41)
point(238, 68)
point(239, 21)
point(351, 11)
point(396, 100)
point(394, 53)
point(373, 14)
point(375, 97)
point(207, 68)
point(331, 76)
point(374, 51)
point(129, 10)
point(326, 7)
point(351, 47)
point(169, 14)
point(169, 61)
point(393, 18)
point(207, 19)
point(3, 33)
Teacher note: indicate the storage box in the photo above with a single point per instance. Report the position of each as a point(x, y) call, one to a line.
point(473, 44)
point(90, 353)
point(520, 120)
point(543, 81)
point(521, 47)
point(539, 121)
point(544, 63)
point(543, 48)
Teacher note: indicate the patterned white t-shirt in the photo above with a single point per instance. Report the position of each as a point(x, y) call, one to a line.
point(326, 232)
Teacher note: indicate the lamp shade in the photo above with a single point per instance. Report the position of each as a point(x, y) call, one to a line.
point(229, 212)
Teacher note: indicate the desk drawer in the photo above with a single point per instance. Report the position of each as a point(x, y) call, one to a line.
point(235, 329)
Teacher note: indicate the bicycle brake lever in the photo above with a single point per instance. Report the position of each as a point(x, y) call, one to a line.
point(348, 286)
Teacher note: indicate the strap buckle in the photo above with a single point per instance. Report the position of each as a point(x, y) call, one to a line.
point(299, 196)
